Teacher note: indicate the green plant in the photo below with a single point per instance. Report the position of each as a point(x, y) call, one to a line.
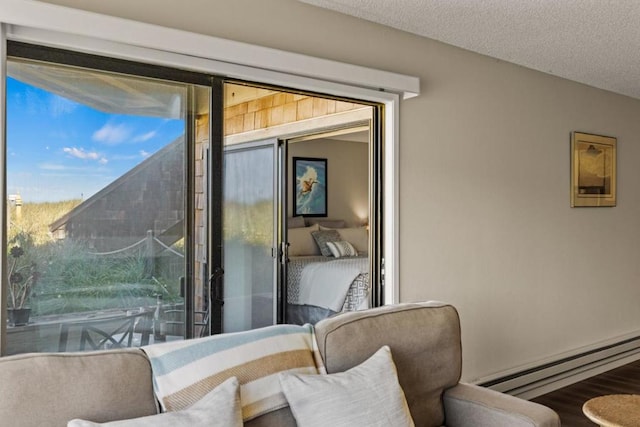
point(76, 281)
point(35, 219)
point(23, 272)
point(71, 279)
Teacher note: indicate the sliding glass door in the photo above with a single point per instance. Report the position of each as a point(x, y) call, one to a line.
point(105, 187)
point(147, 204)
point(250, 212)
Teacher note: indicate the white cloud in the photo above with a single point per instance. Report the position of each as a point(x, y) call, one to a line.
point(145, 136)
point(88, 170)
point(59, 105)
point(65, 134)
point(103, 161)
point(33, 103)
point(144, 154)
point(80, 153)
point(112, 134)
point(52, 167)
point(50, 104)
point(116, 157)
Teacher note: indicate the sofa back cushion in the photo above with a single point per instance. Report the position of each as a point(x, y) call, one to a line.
point(50, 389)
point(424, 339)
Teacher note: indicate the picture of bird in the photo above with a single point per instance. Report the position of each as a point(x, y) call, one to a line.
point(307, 180)
point(310, 187)
point(307, 185)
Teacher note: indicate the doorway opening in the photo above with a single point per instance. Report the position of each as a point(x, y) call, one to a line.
point(300, 177)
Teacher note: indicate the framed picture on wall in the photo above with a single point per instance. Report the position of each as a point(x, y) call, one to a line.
point(309, 186)
point(593, 170)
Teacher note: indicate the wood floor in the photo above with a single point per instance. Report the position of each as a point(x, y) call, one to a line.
point(568, 401)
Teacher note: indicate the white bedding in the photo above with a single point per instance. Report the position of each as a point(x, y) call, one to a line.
point(325, 284)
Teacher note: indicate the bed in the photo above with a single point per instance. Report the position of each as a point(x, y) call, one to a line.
point(319, 286)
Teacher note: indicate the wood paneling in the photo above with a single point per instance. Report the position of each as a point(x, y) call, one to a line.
point(275, 108)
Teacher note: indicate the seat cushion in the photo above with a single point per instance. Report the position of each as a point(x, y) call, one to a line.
point(424, 339)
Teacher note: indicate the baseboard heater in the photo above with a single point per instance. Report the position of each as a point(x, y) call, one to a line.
point(547, 377)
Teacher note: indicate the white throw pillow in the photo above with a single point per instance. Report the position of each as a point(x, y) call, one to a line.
point(218, 408)
point(301, 242)
point(341, 248)
point(367, 395)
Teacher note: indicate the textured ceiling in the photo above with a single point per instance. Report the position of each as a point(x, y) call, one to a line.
point(596, 42)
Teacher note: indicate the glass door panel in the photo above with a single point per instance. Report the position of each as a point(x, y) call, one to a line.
point(249, 202)
point(98, 185)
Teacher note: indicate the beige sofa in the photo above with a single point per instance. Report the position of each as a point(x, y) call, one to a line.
point(50, 389)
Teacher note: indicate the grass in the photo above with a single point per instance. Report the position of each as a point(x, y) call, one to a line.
point(34, 219)
point(250, 223)
point(70, 279)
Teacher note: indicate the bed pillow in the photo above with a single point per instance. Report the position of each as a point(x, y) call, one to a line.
point(342, 248)
point(357, 236)
point(366, 395)
point(296, 222)
point(301, 242)
point(218, 408)
point(329, 223)
point(322, 237)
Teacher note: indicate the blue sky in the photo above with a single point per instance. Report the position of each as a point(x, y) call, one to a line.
point(58, 149)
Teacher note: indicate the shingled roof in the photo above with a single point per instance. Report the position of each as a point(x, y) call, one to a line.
point(149, 197)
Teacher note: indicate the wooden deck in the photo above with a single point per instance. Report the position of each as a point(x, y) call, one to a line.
point(568, 401)
point(44, 334)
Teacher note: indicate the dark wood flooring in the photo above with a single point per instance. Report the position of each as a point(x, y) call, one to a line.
point(568, 401)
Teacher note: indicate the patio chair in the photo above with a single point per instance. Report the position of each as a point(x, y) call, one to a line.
point(174, 320)
point(109, 332)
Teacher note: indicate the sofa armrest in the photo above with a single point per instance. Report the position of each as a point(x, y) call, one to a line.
point(471, 405)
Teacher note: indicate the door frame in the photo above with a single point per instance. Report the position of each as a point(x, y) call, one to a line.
point(375, 213)
point(69, 58)
point(282, 186)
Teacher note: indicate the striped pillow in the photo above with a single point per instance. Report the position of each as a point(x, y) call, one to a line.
point(323, 237)
point(185, 371)
point(342, 248)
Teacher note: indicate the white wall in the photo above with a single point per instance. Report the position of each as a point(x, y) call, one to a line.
point(347, 178)
point(485, 221)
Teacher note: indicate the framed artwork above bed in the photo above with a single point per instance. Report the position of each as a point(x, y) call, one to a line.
point(309, 186)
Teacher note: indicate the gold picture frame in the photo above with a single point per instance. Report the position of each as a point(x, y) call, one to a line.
point(593, 170)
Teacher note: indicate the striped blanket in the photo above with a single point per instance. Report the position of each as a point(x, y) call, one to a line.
point(185, 371)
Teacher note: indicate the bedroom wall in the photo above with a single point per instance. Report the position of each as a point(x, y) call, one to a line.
point(348, 184)
point(485, 221)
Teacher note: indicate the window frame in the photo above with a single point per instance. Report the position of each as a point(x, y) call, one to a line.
point(19, 51)
point(77, 30)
